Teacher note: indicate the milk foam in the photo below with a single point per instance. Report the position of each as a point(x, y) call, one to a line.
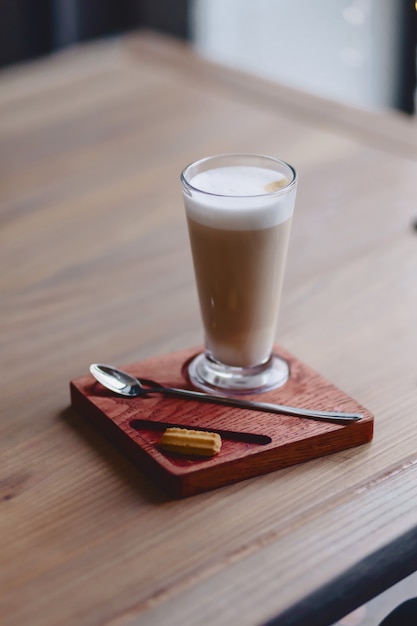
point(235, 180)
point(236, 198)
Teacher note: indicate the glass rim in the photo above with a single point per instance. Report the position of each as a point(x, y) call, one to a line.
point(188, 186)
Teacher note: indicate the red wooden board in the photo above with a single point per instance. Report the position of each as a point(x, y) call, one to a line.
point(290, 439)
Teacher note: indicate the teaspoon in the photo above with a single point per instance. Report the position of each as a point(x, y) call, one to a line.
point(126, 385)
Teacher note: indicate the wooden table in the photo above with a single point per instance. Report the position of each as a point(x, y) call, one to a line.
point(95, 266)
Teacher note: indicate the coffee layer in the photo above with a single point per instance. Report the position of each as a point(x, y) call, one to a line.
point(239, 276)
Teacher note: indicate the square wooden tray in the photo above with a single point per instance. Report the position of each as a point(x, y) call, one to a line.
point(289, 440)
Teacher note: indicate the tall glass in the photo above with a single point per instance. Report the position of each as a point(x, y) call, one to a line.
point(239, 209)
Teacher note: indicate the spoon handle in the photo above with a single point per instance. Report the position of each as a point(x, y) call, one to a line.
point(331, 416)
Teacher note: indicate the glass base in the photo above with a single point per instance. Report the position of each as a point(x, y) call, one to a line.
point(212, 376)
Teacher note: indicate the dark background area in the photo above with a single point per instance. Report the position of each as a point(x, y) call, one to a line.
point(407, 67)
point(32, 28)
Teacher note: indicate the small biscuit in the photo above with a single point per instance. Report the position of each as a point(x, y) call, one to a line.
point(191, 442)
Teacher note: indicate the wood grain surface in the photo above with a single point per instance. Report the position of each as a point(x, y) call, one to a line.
point(96, 267)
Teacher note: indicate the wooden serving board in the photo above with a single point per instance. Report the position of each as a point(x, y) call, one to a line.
point(284, 441)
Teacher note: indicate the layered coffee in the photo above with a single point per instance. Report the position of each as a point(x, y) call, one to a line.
point(239, 232)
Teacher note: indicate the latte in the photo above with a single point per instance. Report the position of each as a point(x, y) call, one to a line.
point(239, 232)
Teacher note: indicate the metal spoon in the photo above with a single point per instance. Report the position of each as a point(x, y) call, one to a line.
point(126, 385)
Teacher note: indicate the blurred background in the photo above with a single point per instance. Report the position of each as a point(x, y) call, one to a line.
point(361, 52)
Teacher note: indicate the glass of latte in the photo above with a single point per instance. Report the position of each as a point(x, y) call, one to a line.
point(239, 209)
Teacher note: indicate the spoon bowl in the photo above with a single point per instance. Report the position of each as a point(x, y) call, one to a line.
point(116, 380)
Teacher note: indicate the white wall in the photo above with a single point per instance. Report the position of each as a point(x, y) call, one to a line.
point(342, 49)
